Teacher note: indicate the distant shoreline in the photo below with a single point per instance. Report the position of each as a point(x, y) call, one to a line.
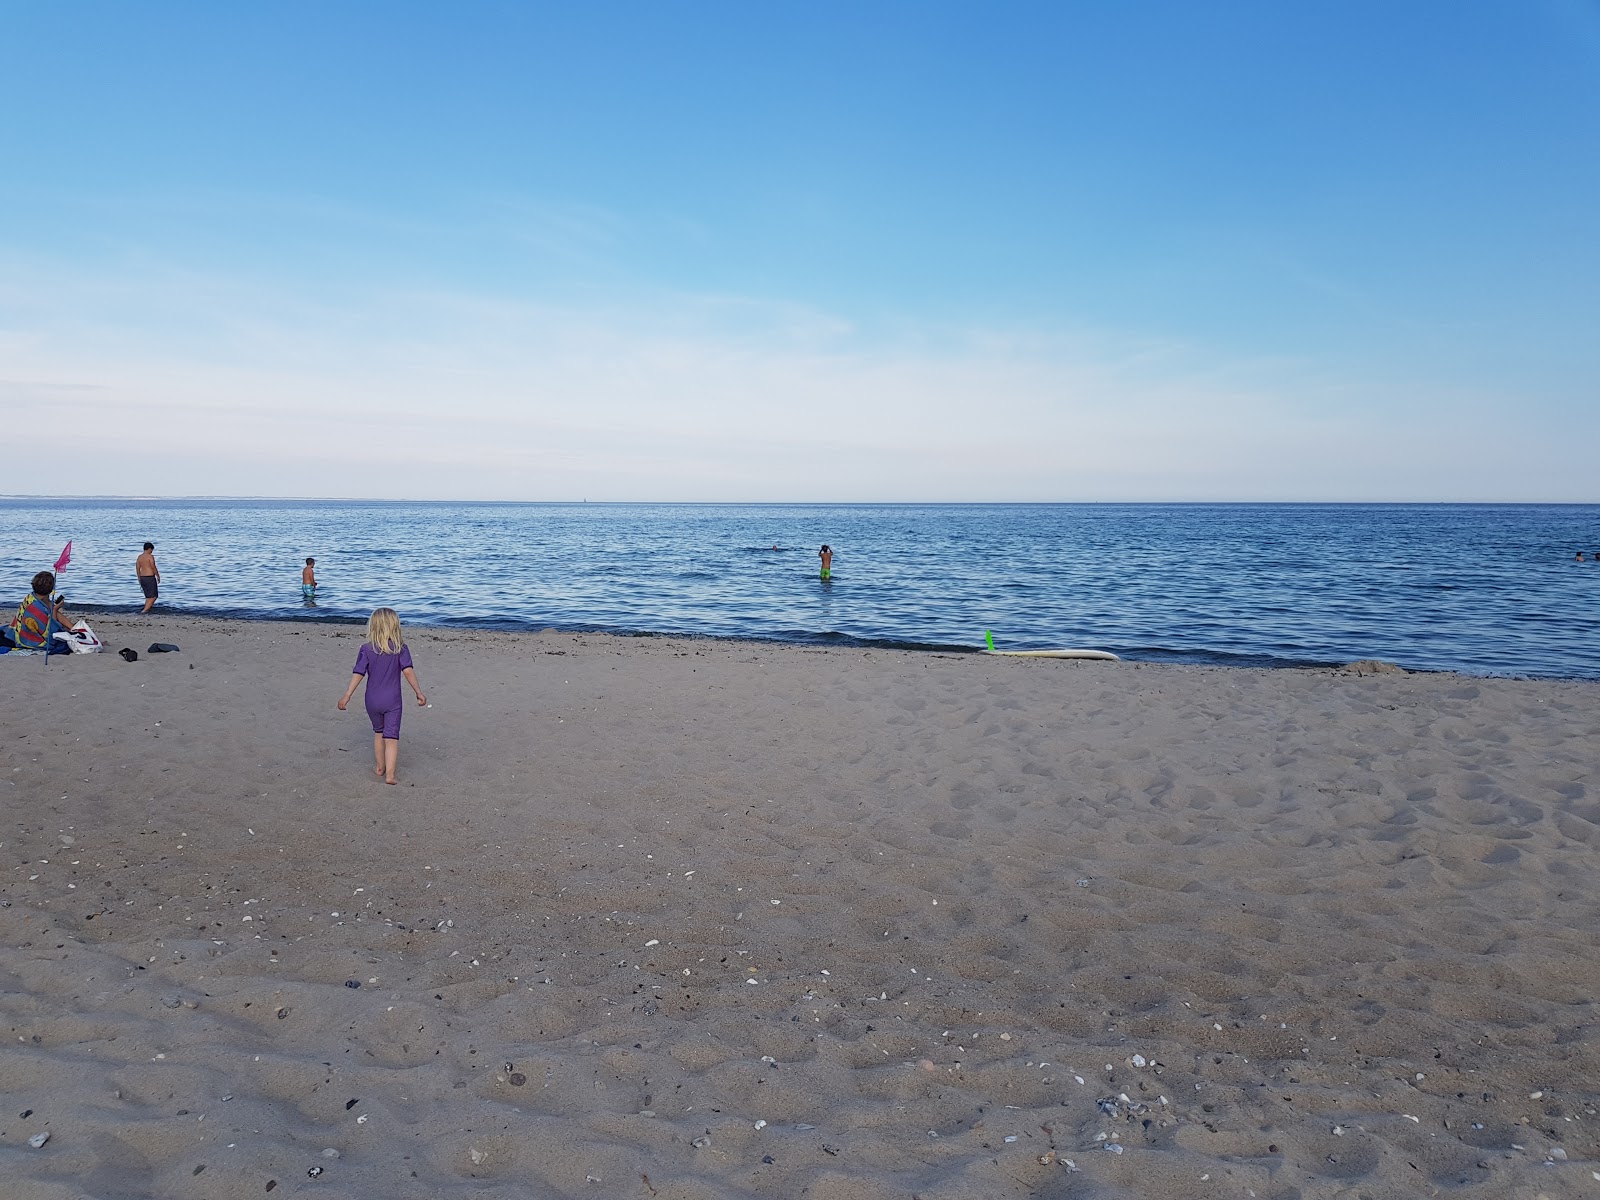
point(204, 620)
point(842, 641)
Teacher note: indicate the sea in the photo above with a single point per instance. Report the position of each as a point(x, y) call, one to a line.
point(1481, 589)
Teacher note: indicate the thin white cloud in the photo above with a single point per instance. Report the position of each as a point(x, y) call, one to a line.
point(172, 382)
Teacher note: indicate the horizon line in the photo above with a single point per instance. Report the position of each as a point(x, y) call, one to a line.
point(20, 496)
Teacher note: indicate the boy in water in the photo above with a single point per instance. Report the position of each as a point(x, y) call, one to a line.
point(826, 555)
point(308, 580)
point(149, 576)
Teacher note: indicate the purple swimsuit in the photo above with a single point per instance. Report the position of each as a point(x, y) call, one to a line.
point(383, 686)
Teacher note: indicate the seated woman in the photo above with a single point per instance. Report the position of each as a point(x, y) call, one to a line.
point(39, 617)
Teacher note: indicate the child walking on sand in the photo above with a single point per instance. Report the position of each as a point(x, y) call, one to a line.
point(383, 660)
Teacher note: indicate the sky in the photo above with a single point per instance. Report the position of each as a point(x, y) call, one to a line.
point(1332, 250)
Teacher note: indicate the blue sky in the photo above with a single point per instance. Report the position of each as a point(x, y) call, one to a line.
point(804, 252)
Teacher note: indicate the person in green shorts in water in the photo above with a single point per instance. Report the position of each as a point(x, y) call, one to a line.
point(826, 555)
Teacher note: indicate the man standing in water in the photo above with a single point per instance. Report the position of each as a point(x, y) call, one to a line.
point(149, 575)
point(308, 580)
point(826, 555)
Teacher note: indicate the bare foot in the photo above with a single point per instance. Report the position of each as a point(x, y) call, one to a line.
point(378, 770)
point(391, 779)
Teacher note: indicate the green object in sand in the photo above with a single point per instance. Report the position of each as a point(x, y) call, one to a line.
point(988, 636)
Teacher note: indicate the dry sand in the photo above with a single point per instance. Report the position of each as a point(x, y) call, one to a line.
point(950, 926)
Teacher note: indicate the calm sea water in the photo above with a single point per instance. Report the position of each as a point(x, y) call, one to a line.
point(1477, 588)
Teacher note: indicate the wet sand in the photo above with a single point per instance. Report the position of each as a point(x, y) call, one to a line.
point(681, 920)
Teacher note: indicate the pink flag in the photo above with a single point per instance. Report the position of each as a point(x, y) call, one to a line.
point(66, 557)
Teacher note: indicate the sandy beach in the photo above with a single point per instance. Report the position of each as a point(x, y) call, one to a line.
point(689, 920)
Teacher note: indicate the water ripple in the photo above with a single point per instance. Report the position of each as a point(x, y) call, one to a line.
point(1480, 588)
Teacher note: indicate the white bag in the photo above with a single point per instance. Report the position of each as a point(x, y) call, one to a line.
point(82, 639)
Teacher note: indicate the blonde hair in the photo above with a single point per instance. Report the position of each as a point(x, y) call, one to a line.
point(383, 631)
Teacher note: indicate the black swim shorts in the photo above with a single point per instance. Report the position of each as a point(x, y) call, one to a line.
point(147, 584)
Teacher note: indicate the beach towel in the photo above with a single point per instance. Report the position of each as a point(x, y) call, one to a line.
point(34, 623)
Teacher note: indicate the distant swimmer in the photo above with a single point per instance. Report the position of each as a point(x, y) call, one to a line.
point(1578, 557)
point(775, 546)
point(308, 579)
point(826, 555)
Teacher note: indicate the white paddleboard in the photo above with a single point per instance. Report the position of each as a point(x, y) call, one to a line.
point(1101, 655)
